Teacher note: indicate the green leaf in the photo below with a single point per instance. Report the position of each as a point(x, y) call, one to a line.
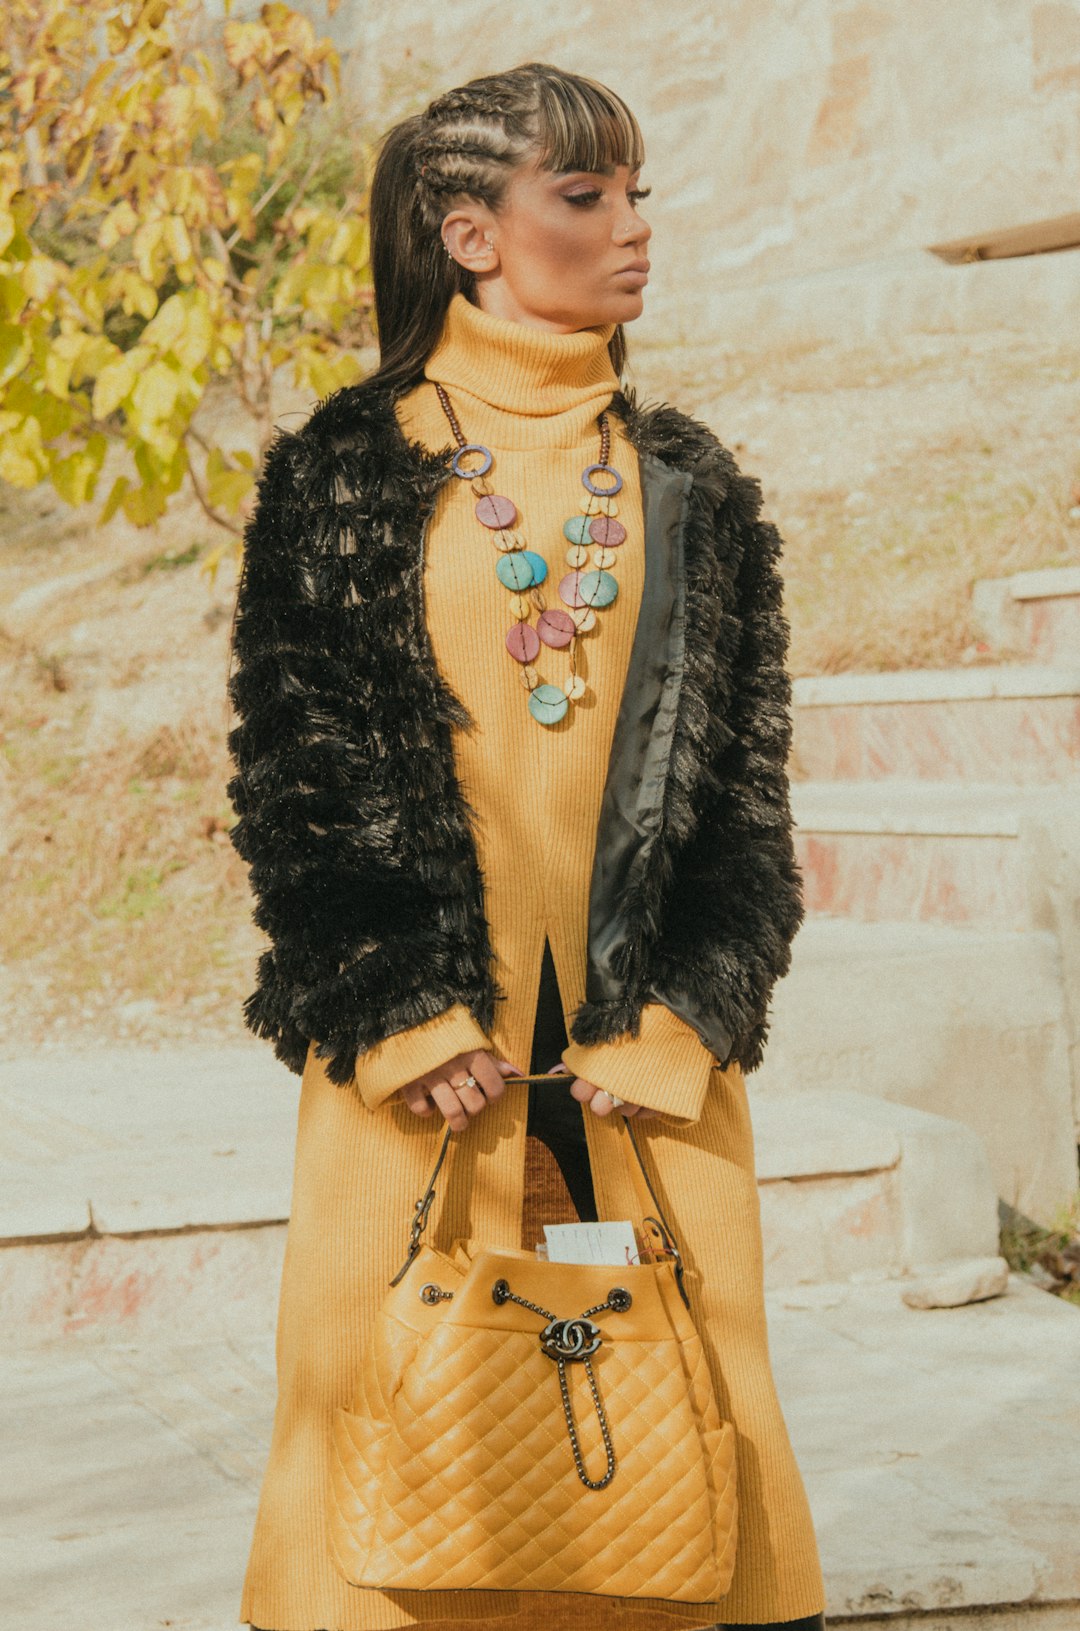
point(120, 488)
point(115, 381)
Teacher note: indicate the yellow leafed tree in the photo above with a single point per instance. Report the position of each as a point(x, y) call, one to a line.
point(178, 209)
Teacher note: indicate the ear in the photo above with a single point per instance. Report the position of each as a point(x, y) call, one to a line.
point(468, 235)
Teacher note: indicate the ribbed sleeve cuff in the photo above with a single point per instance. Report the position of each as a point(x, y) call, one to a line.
point(400, 1058)
point(666, 1067)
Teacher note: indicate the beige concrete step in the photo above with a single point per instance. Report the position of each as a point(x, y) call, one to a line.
point(1034, 612)
point(919, 851)
point(1016, 722)
point(853, 1186)
point(968, 1024)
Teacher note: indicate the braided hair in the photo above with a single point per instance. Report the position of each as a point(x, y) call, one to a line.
point(467, 143)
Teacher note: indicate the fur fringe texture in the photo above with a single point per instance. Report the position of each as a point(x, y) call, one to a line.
point(351, 819)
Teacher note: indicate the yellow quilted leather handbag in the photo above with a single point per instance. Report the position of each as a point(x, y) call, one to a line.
point(523, 1425)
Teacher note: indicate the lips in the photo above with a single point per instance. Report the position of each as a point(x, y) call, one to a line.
point(636, 266)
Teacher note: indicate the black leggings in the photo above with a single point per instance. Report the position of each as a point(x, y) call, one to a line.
point(555, 1118)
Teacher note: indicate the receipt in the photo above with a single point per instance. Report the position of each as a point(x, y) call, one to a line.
point(591, 1243)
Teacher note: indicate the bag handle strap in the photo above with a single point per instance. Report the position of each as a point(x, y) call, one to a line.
point(662, 1241)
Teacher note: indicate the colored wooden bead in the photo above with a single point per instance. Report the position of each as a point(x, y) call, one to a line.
point(548, 704)
point(599, 506)
point(529, 677)
point(608, 473)
point(523, 642)
point(507, 541)
point(597, 588)
point(575, 688)
point(519, 606)
point(481, 469)
point(538, 564)
point(496, 511)
point(515, 571)
point(555, 627)
point(603, 530)
point(576, 529)
point(585, 618)
point(577, 555)
point(605, 557)
point(569, 589)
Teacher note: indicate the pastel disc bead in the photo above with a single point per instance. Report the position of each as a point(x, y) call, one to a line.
point(605, 557)
point(523, 642)
point(603, 530)
point(515, 571)
point(585, 618)
point(538, 564)
point(594, 505)
point(597, 588)
point(577, 529)
point(519, 606)
point(496, 511)
point(506, 541)
point(575, 688)
point(577, 555)
point(548, 704)
point(570, 589)
point(555, 627)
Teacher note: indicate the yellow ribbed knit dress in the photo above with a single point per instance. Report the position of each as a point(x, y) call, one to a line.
point(534, 791)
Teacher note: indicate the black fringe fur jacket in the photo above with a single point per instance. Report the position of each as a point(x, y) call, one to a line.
point(350, 817)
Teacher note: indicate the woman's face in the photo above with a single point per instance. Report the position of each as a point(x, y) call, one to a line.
point(566, 250)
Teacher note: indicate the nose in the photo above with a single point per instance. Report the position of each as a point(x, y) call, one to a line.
point(636, 231)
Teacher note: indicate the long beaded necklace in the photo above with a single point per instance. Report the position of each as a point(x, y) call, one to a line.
point(522, 570)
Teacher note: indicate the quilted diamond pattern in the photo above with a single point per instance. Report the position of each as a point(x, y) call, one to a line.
point(453, 1469)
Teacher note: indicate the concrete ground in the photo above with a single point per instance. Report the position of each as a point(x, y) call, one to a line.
point(940, 1448)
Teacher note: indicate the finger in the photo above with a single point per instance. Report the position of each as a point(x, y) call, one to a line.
point(600, 1104)
point(473, 1098)
point(507, 1069)
point(582, 1090)
point(416, 1097)
point(489, 1076)
point(449, 1102)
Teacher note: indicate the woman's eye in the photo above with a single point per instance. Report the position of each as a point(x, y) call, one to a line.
point(635, 196)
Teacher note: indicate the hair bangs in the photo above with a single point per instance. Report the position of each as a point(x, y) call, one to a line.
point(581, 125)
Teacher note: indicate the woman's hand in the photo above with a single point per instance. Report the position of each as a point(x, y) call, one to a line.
point(599, 1100)
point(446, 1088)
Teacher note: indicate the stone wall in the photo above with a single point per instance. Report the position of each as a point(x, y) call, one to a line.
point(802, 152)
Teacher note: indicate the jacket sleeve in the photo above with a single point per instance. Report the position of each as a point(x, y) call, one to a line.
point(666, 1067)
point(399, 1059)
point(735, 900)
point(362, 946)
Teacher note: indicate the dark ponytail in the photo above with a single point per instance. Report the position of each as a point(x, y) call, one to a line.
point(415, 279)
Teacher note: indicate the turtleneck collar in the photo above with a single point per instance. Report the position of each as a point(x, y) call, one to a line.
point(550, 385)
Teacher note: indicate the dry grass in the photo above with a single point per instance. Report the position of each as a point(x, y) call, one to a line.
point(898, 476)
point(125, 911)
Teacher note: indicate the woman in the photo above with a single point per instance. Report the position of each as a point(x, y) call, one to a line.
point(495, 829)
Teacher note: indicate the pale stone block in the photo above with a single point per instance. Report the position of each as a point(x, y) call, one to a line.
point(965, 1024)
point(969, 1282)
point(852, 1186)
